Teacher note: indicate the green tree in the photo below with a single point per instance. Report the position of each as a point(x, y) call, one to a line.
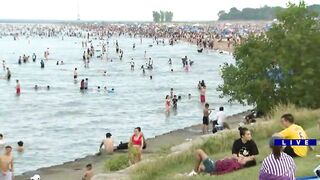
point(278, 67)
point(168, 16)
point(162, 16)
point(156, 16)
point(263, 13)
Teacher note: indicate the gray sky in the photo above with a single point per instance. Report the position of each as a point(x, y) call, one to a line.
point(126, 9)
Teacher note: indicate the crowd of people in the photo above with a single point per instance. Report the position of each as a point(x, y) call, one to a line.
point(203, 37)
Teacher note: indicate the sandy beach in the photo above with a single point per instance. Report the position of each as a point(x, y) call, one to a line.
point(74, 169)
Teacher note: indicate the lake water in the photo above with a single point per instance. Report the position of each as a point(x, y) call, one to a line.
point(62, 124)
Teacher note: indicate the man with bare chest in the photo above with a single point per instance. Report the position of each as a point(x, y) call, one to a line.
point(6, 164)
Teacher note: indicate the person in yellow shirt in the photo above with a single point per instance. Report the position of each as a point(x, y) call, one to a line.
point(293, 131)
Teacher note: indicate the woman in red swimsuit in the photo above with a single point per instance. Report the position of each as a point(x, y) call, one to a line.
point(18, 89)
point(136, 142)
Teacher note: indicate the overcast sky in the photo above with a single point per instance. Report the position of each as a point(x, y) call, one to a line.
point(184, 10)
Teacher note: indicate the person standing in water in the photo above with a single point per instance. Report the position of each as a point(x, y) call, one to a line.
point(82, 84)
point(42, 63)
point(175, 102)
point(86, 84)
point(171, 93)
point(4, 65)
point(170, 61)
point(168, 103)
point(34, 57)
point(203, 94)
point(75, 74)
point(19, 60)
point(18, 89)
point(205, 119)
point(6, 164)
point(132, 64)
point(8, 74)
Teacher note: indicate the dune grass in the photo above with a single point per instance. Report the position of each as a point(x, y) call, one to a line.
point(219, 146)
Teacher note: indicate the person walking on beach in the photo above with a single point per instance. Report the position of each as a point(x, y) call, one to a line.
point(88, 174)
point(136, 144)
point(205, 119)
point(168, 104)
point(6, 164)
point(18, 89)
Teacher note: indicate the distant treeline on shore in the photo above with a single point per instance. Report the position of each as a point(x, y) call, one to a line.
point(263, 13)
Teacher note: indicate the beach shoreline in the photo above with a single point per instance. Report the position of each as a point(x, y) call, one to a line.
point(74, 169)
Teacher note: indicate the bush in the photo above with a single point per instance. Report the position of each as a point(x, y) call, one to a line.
point(117, 163)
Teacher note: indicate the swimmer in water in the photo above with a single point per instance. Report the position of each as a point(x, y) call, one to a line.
point(48, 87)
point(170, 61)
point(145, 54)
point(171, 70)
point(20, 147)
point(168, 103)
point(57, 63)
point(98, 88)
point(18, 88)
point(61, 63)
point(104, 73)
point(150, 77)
point(189, 96)
point(36, 87)
point(134, 46)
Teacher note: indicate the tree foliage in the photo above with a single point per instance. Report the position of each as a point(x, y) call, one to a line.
point(156, 16)
point(162, 16)
point(281, 66)
point(263, 13)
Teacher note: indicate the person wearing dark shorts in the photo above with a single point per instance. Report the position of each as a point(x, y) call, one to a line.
point(205, 119)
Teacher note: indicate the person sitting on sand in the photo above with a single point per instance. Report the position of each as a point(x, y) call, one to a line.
point(244, 153)
point(20, 147)
point(107, 144)
point(277, 165)
point(88, 174)
point(293, 131)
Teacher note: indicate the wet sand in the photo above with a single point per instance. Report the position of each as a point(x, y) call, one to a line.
point(74, 170)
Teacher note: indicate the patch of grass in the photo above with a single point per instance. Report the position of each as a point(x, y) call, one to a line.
point(117, 162)
point(219, 146)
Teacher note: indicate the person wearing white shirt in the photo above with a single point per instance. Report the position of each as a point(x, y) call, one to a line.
point(220, 120)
